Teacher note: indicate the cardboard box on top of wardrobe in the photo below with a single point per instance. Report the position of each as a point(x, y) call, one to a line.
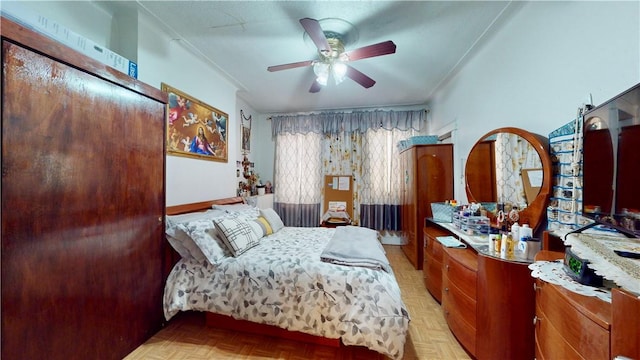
point(58, 32)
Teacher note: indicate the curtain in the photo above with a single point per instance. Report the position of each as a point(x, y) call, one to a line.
point(361, 144)
point(298, 179)
point(380, 195)
point(513, 154)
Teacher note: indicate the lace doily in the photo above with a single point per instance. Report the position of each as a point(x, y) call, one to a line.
point(553, 272)
point(598, 249)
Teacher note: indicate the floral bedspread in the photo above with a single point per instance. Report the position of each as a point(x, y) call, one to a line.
point(282, 282)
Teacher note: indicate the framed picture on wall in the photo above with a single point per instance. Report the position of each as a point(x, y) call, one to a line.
point(246, 132)
point(195, 129)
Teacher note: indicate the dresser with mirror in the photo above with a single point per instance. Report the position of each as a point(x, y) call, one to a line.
point(489, 301)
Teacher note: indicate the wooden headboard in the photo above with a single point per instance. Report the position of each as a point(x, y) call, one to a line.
point(202, 206)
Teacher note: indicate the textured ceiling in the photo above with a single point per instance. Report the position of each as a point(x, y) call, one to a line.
point(243, 38)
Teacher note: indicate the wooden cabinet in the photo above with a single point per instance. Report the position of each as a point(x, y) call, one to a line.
point(428, 177)
point(82, 203)
point(459, 282)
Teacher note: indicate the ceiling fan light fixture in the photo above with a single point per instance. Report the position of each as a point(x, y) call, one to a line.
point(321, 69)
point(339, 71)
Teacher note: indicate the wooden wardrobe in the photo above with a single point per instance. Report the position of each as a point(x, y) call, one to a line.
point(428, 177)
point(82, 203)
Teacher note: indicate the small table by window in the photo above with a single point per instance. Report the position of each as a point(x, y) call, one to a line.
point(332, 224)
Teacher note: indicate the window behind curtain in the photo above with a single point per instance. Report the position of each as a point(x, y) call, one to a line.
point(359, 143)
point(298, 177)
point(381, 196)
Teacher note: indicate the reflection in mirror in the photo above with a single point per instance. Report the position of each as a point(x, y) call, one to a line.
point(516, 162)
point(597, 154)
point(611, 154)
point(504, 168)
point(511, 166)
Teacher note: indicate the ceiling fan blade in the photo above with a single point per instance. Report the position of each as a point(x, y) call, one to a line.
point(312, 27)
point(359, 77)
point(315, 87)
point(383, 48)
point(290, 66)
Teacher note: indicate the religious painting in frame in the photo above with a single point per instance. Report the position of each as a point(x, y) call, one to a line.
point(195, 129)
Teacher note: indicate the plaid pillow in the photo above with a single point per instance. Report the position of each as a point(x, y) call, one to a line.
point(236, 234)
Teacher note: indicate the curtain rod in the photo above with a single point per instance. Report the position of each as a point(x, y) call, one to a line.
point(269, 118)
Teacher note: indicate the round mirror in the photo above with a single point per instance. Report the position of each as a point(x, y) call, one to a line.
point(510, 166)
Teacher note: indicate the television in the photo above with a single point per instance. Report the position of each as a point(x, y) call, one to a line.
point(611, 163)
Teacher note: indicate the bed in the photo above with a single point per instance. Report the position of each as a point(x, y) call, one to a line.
point(281, 282)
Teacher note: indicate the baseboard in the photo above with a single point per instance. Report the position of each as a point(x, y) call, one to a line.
point(389, 239)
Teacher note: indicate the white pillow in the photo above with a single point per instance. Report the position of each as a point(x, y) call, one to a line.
point(273, 218)
point(205, 236)
point(172, 221)
point(179, 237)
point(244, 211)
point(237, 234)
point(184, 245)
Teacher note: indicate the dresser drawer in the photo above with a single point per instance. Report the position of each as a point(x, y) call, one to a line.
point(560, 319)
point(433, 247)
point(465, 333)
point(549, 342)
point(458, 302)
point(433, 277)
point(459, 271)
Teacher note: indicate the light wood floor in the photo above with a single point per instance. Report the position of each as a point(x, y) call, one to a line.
point(186, 337)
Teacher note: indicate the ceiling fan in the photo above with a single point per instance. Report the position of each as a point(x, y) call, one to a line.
point(333, 59)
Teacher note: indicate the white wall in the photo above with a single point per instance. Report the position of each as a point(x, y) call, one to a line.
point(537, 69)
point(161, 59)
point(262, 147)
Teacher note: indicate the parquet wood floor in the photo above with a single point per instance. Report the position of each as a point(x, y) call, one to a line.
point(187, 338)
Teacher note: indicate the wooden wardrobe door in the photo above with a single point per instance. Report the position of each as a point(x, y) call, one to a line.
point(82, 207)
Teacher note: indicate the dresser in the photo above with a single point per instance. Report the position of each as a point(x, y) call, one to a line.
point(574, 326)
point(488, 302)
point(427, 172)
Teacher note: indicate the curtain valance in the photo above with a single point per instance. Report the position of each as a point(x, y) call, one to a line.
point(349, 122)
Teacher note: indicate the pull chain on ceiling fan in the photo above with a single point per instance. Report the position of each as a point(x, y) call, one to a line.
point(333, 60)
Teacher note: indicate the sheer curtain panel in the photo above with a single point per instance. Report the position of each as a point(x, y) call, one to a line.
point(361, 144)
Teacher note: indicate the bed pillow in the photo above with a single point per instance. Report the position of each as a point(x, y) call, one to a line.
point(236, 234)
point(179, 237)
point(244, 211)
point(272, 217)
point(233, 207)
point(184, 245)
point(207, 239)
point(172, 221)
point(260, 227)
